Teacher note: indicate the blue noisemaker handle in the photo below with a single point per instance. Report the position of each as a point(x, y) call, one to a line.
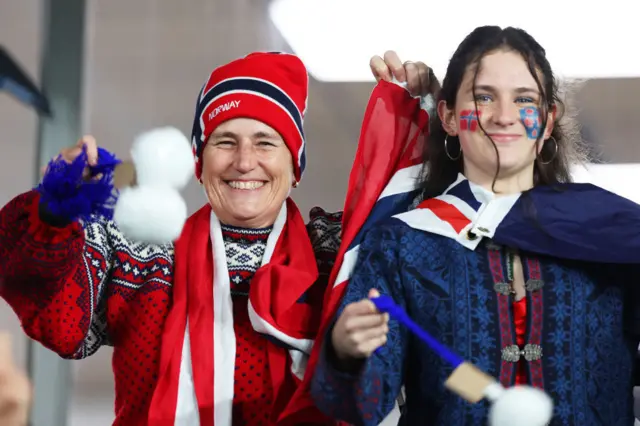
point(386, 304)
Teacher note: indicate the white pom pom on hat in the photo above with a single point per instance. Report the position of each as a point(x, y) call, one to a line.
point(154, 212)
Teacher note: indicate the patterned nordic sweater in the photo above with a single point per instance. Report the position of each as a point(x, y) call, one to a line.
point(77, 286)
point(252, 396)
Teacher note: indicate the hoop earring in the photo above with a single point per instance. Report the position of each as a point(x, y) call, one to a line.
point(555, 151)
point(446, 150)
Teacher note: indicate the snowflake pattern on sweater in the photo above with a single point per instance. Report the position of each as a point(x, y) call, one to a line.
point(253, 395)
point(244, 249)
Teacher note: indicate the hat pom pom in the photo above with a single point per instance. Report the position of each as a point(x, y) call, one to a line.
point(522, 406)
point(163, 157)
point(154, 212)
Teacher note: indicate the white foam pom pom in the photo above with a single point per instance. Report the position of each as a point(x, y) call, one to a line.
point(521, 406)
point(150, 214)
point(163, 157)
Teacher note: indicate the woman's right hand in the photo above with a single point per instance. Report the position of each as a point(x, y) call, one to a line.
point(87, 142)
point(360, 330)
point(69, 154)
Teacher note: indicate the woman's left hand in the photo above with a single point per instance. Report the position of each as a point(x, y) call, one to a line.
point(419, 78)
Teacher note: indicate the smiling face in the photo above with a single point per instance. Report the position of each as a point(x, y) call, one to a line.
point(508, 101)
point(247, 173)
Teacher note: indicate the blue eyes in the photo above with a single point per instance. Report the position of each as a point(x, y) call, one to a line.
point(520, 99)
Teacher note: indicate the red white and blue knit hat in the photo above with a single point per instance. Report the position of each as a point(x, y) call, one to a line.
point(269, 87)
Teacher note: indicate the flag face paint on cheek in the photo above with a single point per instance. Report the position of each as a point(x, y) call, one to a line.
point(530, 117)
point(469, 120)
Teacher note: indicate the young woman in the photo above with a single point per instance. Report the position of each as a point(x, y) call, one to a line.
point(503, 260)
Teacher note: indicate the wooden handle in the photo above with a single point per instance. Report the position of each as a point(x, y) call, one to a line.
point(124, 175)
point(469, 382)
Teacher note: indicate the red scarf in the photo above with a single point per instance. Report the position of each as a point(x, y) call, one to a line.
point(288, 271)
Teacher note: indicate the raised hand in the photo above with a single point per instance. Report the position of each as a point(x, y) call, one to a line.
point(419, 78)
point(87, 144)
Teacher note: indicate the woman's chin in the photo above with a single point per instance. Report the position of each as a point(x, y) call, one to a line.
point(247, 217)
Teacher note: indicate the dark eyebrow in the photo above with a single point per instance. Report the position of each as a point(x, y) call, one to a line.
point(221, 135)
point(518, 90)
point(265, 135)
point(231, 135)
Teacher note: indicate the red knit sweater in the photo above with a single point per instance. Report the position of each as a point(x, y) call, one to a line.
point(80, 286)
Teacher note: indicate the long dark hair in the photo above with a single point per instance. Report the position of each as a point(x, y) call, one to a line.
point(550, 167)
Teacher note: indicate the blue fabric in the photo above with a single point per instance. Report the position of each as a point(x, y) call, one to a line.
point(386, 304)
point(576, 221)
point(587, 334)
point(67, 194)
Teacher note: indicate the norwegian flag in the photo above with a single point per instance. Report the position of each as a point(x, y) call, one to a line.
point(384, 175)
point(531, 119)
point(469, 120)
point(382, 184)
point(578, 221)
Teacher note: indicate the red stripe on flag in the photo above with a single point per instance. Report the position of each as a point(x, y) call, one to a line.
point(446, 212)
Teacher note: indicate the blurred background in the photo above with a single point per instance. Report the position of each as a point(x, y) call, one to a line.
point(117, 68)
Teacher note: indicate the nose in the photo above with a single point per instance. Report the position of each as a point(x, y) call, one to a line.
point(246, 158)
point(505, 113)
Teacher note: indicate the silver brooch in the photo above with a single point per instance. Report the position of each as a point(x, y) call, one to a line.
point(533, 285)
point(512, 353)
point(503, 288)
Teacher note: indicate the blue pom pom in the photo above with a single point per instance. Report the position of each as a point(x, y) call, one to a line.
point(107, 163)
point(70, 195)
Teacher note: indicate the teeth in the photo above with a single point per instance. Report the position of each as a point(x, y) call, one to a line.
point(237, 184)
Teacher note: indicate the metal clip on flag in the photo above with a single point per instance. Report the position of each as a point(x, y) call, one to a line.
point(519, 405)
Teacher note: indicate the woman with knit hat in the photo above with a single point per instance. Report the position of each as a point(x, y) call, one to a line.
point(215, 329)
